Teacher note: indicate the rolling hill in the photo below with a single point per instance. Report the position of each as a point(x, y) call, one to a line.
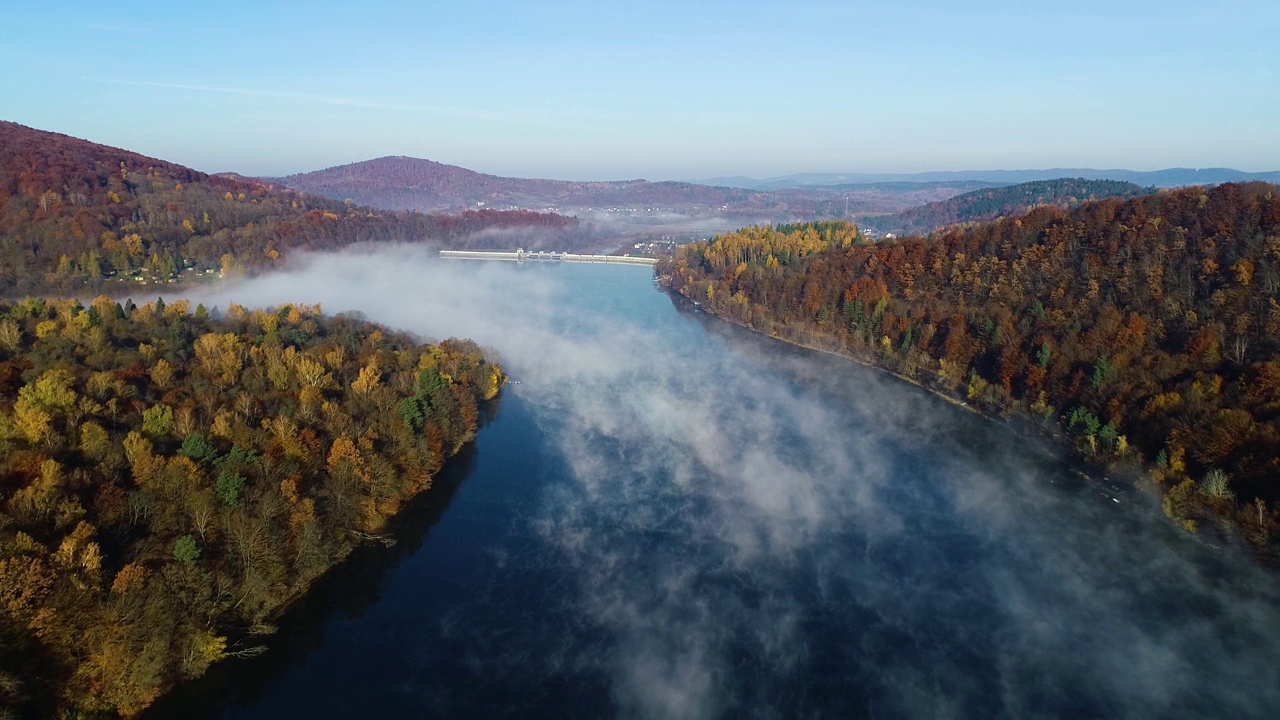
point(405, 183)
point(991, 203)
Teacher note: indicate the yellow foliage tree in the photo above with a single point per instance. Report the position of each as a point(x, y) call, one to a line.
point(162, 373)
point(31, 422)
point(367, 380)
point(221, 357)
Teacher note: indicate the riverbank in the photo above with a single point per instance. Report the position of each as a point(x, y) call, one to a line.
point(350, 586)
point(1213, 525)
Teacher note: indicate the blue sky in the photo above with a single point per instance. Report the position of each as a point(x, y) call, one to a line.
point(661, 90)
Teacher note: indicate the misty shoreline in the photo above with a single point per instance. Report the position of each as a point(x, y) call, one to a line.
point(1017, 424)
point(708, 518)
point(1114, 482)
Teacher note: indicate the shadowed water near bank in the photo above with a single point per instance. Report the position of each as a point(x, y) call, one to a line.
point(672, 517)
point(346, 591)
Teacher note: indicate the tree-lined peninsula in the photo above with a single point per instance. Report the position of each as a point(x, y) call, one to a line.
point(169, 481)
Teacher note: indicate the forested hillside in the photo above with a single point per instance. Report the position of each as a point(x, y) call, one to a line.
point(1146, 331)
point(75, 215)
point(170, 481)
point(991, 203)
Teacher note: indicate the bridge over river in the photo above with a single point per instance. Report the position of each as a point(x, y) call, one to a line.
point(544, 256)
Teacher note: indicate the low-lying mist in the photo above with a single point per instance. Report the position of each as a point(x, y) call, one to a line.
point(740, 528)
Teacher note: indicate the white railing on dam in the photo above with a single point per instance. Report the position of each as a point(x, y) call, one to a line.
point(544, 256)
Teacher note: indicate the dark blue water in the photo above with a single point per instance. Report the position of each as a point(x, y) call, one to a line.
point(671, 517)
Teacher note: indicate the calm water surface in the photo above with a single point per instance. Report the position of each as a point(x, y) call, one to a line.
point(671, 517)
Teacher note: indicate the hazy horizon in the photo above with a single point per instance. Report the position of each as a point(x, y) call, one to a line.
point(573, 90)
point(800, 172)
point(695, 179)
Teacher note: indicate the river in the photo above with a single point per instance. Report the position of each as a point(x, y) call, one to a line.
point(667, 516)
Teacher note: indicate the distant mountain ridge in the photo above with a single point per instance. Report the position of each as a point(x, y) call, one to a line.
point(1170, 177)
point(991, 203)
point(406, 183)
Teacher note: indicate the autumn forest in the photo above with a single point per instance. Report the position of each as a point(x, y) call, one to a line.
point(1142, 331)
point(172, 480)
point(80, 217)
point(172, 477)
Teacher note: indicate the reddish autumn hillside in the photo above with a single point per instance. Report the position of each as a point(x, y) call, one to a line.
point(1146, 331)
point(237, 177)
point(33, 162)
point(76, 215)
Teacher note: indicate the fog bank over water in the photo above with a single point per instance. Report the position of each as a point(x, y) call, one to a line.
point(722, 525)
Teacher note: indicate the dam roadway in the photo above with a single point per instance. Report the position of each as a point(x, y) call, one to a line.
point(543, 256)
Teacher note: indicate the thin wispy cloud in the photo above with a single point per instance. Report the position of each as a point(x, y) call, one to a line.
point(115, 25)
point(280, 95)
